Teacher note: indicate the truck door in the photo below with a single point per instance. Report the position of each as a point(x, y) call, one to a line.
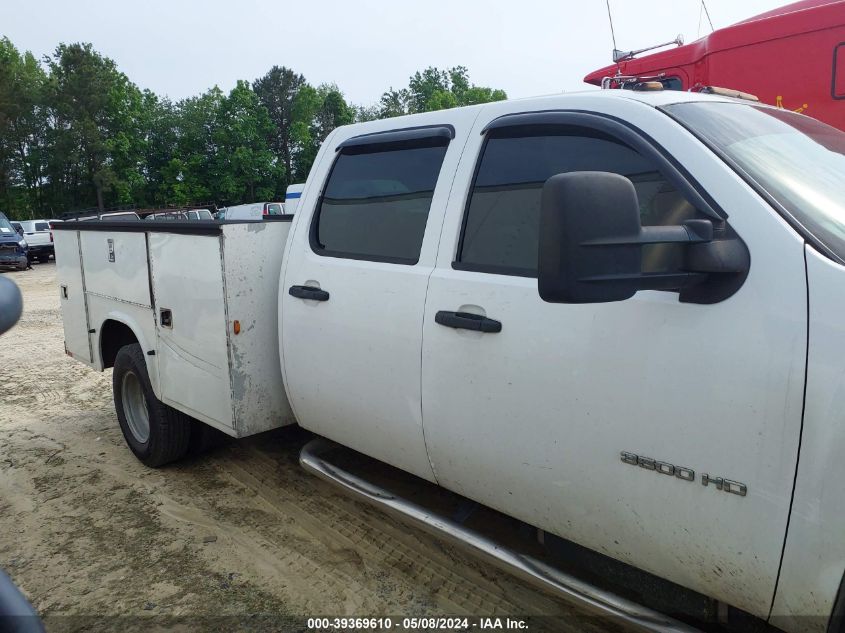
point(354, 288)
point(597, 422)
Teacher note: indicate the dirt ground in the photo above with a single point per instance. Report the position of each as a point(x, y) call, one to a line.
point(237, 539)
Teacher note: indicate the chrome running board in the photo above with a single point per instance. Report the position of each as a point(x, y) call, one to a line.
point(564, 585)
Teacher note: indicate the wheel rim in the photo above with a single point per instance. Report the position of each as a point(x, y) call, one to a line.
point(135, 407)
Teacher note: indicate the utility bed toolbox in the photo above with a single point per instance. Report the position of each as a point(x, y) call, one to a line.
point(201, 298)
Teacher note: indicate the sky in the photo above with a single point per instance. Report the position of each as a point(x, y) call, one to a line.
point(180, 48)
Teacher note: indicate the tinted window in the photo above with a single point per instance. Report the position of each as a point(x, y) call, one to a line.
point(669, 83)
point(672, 83)
point(375, 204)
point(274, 209)
point(42, 226)
point(5, 226)
point(501, 232)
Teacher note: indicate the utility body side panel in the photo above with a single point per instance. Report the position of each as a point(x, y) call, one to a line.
point(72, 295)
point(252, 299)
point(115, 266)
point(532, 420)
point(814, 557)
point(192, 353)
point(203, 277)
point(138, 318)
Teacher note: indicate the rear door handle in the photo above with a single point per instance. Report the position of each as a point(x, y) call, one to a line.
point(308, 292)
point(467, 321)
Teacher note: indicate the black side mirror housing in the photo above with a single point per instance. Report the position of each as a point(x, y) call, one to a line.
point(591, 242)
point(577, 208)
point(11, 304)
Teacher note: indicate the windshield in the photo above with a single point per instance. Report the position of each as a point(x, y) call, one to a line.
point(798, 161)
point(6, 227)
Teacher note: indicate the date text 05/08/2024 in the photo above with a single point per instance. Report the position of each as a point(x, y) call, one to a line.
point(416, 623)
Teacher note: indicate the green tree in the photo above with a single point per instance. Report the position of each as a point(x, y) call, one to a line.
point(92, 108)
point(222, 154)
point(191, 173)
point(245, 167)
point(317, 112)
point(23, 127)
point(435, 89)
point(278, 90)
point(76, 132)
point(159, 125)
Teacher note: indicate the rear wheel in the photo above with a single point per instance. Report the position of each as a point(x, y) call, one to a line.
point(156, 433)
point(43, 259)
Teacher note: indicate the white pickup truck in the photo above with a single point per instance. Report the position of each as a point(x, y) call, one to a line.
point(615, 316)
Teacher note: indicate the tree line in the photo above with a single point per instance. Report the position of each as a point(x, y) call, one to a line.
point(76, 133)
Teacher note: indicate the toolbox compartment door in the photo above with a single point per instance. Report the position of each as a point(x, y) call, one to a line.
point(72, 295)
point(191, 330)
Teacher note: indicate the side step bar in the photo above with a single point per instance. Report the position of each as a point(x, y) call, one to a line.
point(564, 585)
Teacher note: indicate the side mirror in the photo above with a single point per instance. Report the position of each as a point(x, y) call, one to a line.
point(11, 304)
point(591, 241)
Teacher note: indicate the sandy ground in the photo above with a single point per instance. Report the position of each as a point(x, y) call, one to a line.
point(237, 539)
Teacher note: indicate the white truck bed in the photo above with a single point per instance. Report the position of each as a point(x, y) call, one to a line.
point(212, 278)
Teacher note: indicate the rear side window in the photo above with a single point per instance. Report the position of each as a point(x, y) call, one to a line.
point(42, 226)
point(502, 219)
point(376, 201)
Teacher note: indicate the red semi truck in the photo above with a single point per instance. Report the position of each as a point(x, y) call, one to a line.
point(792, 57)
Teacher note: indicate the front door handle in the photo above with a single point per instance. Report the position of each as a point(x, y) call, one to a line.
point(467, 321)
point(308, 292)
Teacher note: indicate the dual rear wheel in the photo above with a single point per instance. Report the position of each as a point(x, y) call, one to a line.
point(157, 433)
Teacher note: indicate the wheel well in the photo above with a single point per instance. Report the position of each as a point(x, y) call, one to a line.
point(113, 336)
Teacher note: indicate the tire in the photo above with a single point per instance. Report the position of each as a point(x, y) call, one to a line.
point(43, 259)
point(205, 438)
point(156, 433)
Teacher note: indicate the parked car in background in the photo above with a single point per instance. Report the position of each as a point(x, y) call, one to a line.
point(253, 211)
point(167, 215)
point(292, 195)
point(113, 216)
point(13, 247)
point(38, 238)
point(199, 214)
point(182, 215)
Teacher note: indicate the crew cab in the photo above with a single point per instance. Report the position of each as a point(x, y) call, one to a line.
point(614, 316)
